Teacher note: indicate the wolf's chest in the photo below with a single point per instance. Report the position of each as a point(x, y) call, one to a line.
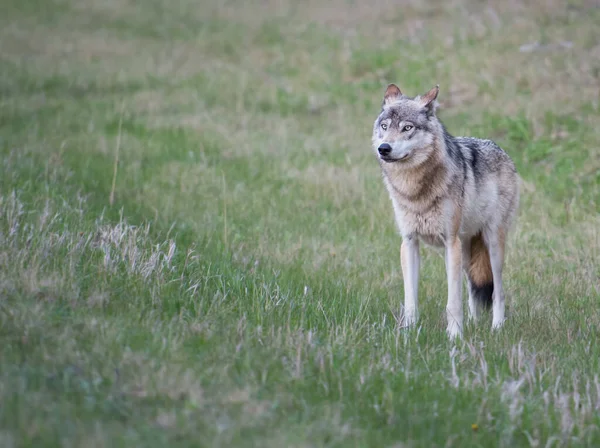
point(428, 224)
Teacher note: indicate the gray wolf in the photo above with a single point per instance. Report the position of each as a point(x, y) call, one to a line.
point(457, 193)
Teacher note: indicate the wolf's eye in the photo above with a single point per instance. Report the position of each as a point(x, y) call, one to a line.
point(384, 126)
point(407, 128)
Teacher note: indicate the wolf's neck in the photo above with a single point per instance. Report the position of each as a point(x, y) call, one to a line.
point(423, 184)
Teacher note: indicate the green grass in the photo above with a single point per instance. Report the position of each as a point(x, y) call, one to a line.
point(244, 286)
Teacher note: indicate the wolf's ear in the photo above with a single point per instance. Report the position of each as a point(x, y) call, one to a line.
point(392, 93)
point(428, 100)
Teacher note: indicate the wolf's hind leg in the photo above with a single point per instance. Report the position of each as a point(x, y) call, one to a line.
point(495, 240)
point(474, 305)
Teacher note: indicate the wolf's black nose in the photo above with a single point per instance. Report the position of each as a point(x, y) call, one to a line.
point(384, 149)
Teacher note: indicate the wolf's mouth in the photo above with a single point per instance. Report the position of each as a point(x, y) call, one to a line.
point(392, 159)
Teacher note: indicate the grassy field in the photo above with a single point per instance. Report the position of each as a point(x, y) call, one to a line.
point(196, 248)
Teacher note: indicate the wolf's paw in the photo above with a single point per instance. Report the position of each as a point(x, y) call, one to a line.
point(454, 330)
point(497, 324)
point(410, 318)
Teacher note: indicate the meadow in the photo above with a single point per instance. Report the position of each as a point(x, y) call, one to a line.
point(196, 247)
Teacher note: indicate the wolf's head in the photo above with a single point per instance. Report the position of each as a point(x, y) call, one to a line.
point(405, 130)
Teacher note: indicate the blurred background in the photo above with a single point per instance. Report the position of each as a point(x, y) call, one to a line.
point(191, 179)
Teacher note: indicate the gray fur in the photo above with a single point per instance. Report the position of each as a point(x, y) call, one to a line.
point(446, 191)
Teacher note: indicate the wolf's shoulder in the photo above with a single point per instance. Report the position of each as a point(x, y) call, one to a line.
point(485, 151)
point(478, 144)
point(483, 146)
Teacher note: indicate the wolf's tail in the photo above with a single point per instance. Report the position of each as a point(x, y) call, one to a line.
point(480, 277)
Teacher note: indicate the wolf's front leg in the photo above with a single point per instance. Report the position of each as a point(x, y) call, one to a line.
point(410, 260)
point(454, 309)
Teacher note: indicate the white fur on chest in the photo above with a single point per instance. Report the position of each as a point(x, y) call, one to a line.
point(430, 224)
